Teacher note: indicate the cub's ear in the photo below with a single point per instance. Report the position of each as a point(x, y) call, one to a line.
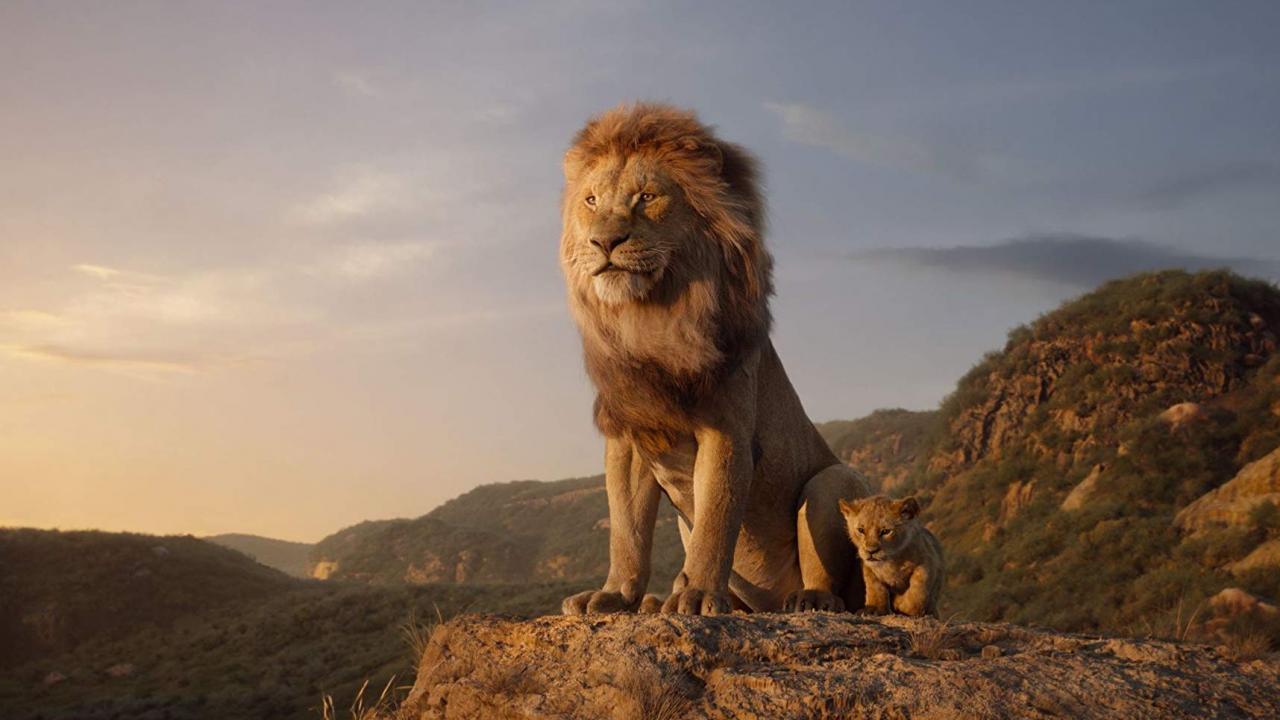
point(908, 507)
point(849, 507)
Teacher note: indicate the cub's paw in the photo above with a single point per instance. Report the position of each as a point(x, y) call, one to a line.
point(598, 601)
point(812, 601)
point(692, 601)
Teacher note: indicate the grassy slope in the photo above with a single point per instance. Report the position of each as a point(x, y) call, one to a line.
point(1117, 565)
point(59, 589)
point(272, 659)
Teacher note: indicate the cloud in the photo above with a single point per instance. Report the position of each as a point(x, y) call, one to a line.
point(807, 125)
point(359, 194)
point(98, 271)
point(355, 84)
point(1220, 180)
point(137, 321)
point(1076, 260)
point(366, 261)
point(74, 356)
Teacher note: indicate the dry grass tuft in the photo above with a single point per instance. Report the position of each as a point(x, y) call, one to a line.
point(381, 708)
point(650, 696)
point(1182, 629)
point(935, 640)
point(991, 635)
point(417, 633)
point(1246, 647)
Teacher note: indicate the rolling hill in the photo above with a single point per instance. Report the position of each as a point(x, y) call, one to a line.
point(291, 558)
point(61, 589)
point(98, 625)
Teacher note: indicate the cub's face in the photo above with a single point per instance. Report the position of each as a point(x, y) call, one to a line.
point(627, 226)
point(879, 527)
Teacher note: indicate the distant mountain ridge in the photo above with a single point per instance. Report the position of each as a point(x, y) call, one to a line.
point(291, 558)
point(515, 532)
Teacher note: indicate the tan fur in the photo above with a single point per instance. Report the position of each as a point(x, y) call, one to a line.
point(902, 562)
point(669, 281)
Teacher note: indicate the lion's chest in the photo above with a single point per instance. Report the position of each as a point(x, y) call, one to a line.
point(895, 574)
point(673, 470)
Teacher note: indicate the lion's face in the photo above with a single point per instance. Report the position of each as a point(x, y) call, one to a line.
point(628, 225)
point(880, 527)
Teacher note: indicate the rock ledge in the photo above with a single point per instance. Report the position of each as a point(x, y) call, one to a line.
point(819, 666)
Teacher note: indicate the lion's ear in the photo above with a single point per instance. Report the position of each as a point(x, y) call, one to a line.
point(574, 161)
point(908, 507)
point(849, 507)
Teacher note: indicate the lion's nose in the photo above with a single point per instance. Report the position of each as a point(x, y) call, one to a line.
point(607, 245)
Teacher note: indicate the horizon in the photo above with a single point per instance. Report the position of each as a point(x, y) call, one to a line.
point(279, 270)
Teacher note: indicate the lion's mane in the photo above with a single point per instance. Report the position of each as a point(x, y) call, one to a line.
point(643, 395)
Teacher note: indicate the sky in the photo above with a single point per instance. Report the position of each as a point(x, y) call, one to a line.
point(281, 267)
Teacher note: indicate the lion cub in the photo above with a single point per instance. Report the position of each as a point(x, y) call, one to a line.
point(901, 560)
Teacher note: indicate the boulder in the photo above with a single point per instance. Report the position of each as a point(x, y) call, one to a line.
point(1266, 555)
point(1182, 414)
point(1231, 503)
point(1084, 491)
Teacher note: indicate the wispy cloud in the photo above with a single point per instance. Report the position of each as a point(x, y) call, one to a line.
point(807, 125)
point(74, 356)
point(98, 271)
point(139, 321)
point(370, 260)
point(357, 194)
point(1228, 178)
point(1076, 260)
point(355, 84)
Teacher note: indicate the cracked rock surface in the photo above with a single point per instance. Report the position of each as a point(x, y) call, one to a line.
point(819, 665)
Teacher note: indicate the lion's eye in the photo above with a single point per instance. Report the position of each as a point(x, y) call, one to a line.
point(647, 197)
point(591, 200)
point(859, 531)
point(886, 533)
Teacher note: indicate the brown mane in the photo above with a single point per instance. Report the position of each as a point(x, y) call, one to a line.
point(653, 399)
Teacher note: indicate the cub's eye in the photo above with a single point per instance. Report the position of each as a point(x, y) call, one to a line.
point(647, 197)
point(886, 533)
point(591, 200)
point(859, 531)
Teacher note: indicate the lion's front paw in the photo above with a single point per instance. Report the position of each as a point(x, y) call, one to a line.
point(598, 601)
point(692, 601)
point(812, 601)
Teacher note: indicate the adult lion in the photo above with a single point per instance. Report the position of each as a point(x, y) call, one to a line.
point(669, 283)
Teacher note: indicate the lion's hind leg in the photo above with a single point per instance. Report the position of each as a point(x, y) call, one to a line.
point(829, 566)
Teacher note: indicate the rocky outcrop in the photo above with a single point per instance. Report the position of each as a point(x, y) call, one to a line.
point(1064, 384)
point(1230, 504)
point(1085, 490)
point(1266, 555)
point(1183, 414)
point(818, 666)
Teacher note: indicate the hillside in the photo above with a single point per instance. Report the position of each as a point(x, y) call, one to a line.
point(291, 558)
point(61, 589)
point(110, 625)
point(515, 532)
point(1054, 472)
point(819, 666)
point(884, 445)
